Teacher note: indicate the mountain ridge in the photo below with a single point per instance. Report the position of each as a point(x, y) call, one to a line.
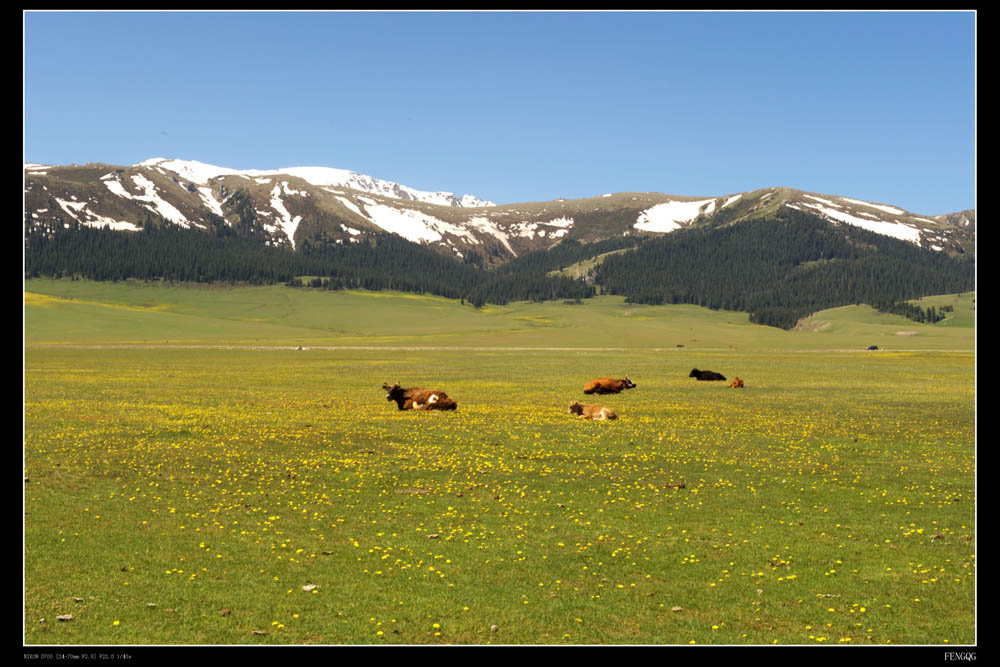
point(776, 253)
point(296, 205)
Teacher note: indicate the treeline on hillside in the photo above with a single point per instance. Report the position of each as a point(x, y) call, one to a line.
point(382, 261)
point(928, 315)
point(386, 261)
point(778, 269)
point(157, 252)
point(781, 269)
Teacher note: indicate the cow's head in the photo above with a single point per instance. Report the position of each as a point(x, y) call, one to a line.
point(628, 383)
point(392, 391)
point(693, 373)
point(576, 407)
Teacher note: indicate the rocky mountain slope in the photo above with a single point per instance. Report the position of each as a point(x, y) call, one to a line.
point(317, 205)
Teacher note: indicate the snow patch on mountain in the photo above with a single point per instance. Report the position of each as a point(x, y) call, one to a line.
point(159, 205)
point(150, 199)
point(562, 226)
point(210, 201)
point(894, 229)
point(486, 225)
point(117, 188)
point(560, 222)
point(350, 205)
point(201, 173)
point(823, 201)
point(524, 229)
point(413, 225)
point(287, 223)
point(196, 172)
point(292, 191)
point(472, 201)
point(78, 211)
point(666, 217)
point(888, 209)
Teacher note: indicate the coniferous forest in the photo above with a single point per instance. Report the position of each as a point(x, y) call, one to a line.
point(782, 268)
point(382, 261)
point(777, 269)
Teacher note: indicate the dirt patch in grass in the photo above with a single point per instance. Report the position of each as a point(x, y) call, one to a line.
point(816, 325)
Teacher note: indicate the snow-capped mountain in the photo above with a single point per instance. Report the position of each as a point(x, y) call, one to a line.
point(324, 205)
point(203, 174)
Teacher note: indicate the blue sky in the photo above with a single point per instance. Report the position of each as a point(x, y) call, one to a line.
point(523, 106)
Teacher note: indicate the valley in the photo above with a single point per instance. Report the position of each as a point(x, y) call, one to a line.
point(218, 465)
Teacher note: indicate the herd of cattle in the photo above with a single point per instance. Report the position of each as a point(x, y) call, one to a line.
point(417, 398)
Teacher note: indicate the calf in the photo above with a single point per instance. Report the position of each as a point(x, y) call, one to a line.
point(418, 398)
point(737, 383)
point(608, 385)
point(706, 375)
point(590, 411)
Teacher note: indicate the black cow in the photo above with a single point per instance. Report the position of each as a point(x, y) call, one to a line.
point(706, 375)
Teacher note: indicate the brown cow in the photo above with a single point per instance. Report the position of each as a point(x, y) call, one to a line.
point(737, 383)
point(608, 385)
point(418, 398)
point(590, 411)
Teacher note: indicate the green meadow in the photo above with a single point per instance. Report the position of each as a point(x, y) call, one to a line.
point(208, 465)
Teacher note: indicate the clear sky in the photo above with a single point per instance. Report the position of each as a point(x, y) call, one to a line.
point(523, 106)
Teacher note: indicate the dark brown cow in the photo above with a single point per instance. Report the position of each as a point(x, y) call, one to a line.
point(590, 411)
point(737, 383)
point(706, 375)
point(418, 398)
point(608, 385)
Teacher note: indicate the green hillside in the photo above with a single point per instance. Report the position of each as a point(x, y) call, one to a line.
point(84, 312)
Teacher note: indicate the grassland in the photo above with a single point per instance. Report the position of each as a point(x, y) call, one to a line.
point(83, 312)
point(192, 477)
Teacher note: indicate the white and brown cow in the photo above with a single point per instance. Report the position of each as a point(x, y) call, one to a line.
point(608, 385)
point(590, 411)
point(417, 398)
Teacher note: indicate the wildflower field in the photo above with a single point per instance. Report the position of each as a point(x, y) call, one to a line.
point(214, 495)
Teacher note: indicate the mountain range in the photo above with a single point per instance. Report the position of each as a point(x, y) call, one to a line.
point(319, 205)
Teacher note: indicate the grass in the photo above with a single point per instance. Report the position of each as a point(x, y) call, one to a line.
point(194, 495)
point(63, 312)
point(581, 268)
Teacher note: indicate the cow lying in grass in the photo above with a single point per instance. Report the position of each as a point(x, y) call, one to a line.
point(737, 383)
point(706, 375)
point(608, 385)
point(590, 411)
point(418, 398)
